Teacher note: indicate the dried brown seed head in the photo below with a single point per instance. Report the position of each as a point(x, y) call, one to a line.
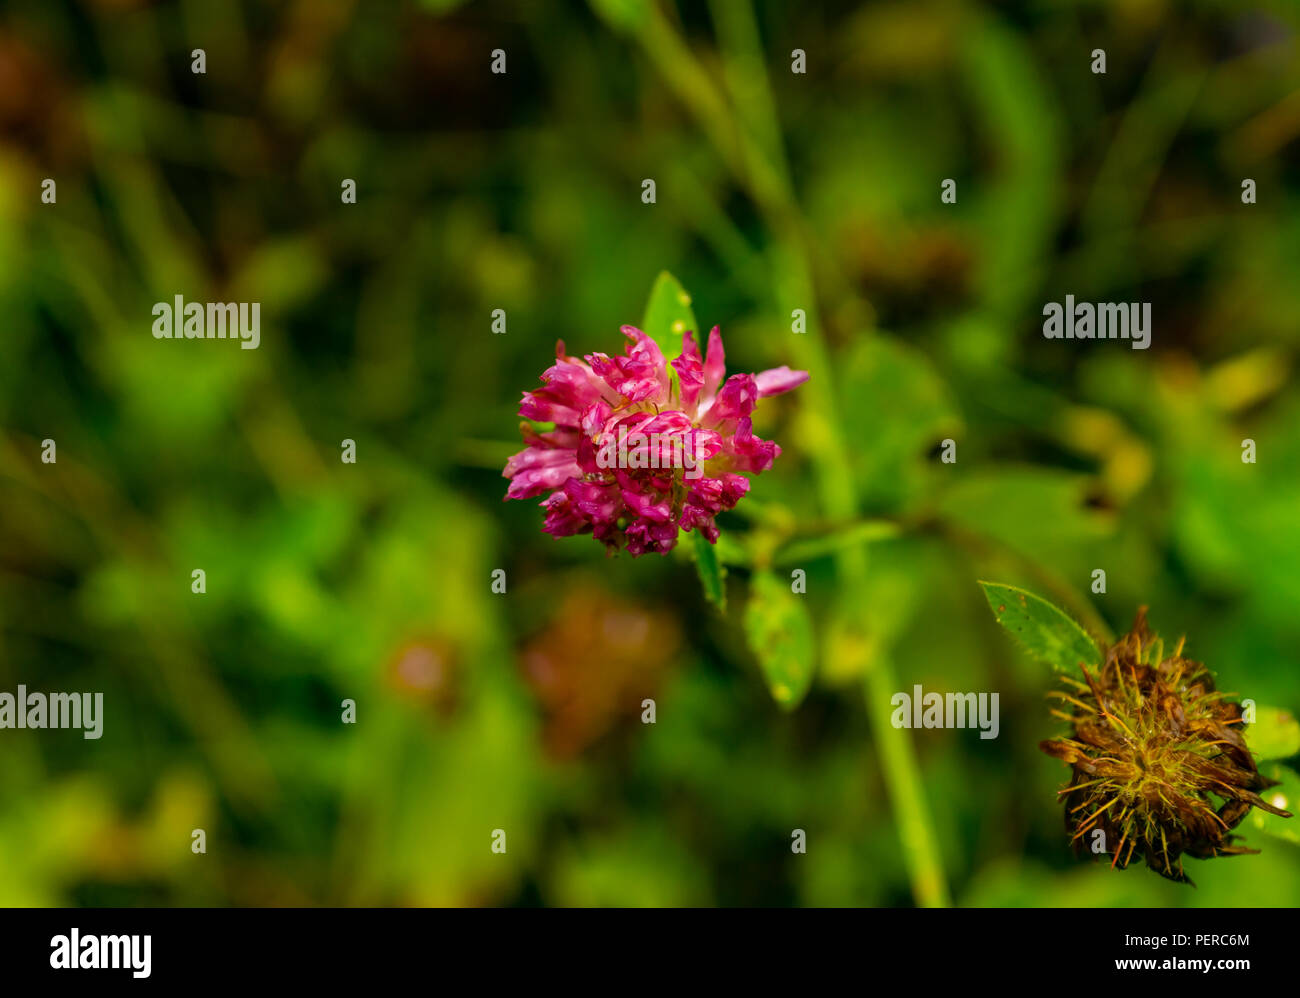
point(1160, 765)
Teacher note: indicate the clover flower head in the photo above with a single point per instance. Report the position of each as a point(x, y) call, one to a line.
point(635, 455)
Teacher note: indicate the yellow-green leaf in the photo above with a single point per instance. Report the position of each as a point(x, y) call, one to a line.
point(780, 634)
point(1275, 733)
point(668, 314)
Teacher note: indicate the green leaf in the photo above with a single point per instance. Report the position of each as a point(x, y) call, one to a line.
point(1285, 795)
point(911, 410)
point(780, 634)
point(1275, 734)
point(1047, 632)
point(1040, 513)
point(712, 574)
point(668, 314)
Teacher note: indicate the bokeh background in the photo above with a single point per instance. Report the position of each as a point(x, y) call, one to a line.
point(522, 192)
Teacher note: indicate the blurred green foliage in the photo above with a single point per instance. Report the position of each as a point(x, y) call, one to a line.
point(775, 191)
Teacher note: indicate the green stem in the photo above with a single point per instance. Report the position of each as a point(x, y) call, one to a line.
point(751, 148)
point(903, 779)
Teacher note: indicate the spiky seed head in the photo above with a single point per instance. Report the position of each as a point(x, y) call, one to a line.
point(1159, 761)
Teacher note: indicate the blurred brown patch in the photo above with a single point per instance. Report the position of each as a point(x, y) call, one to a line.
point(425, 671)
point(34, 110)
point(909, 275)
point(595, 663)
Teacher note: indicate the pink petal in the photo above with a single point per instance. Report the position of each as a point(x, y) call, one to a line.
point(645, 537)
point(748, 452)
point(778, 380)
point(648, 498)
point(539, 469)
point(641, 376)
point(690, 372)
point(701, 519)
point(598, 502)
point(562, 519)
point(736, 401)
point(714, 368)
